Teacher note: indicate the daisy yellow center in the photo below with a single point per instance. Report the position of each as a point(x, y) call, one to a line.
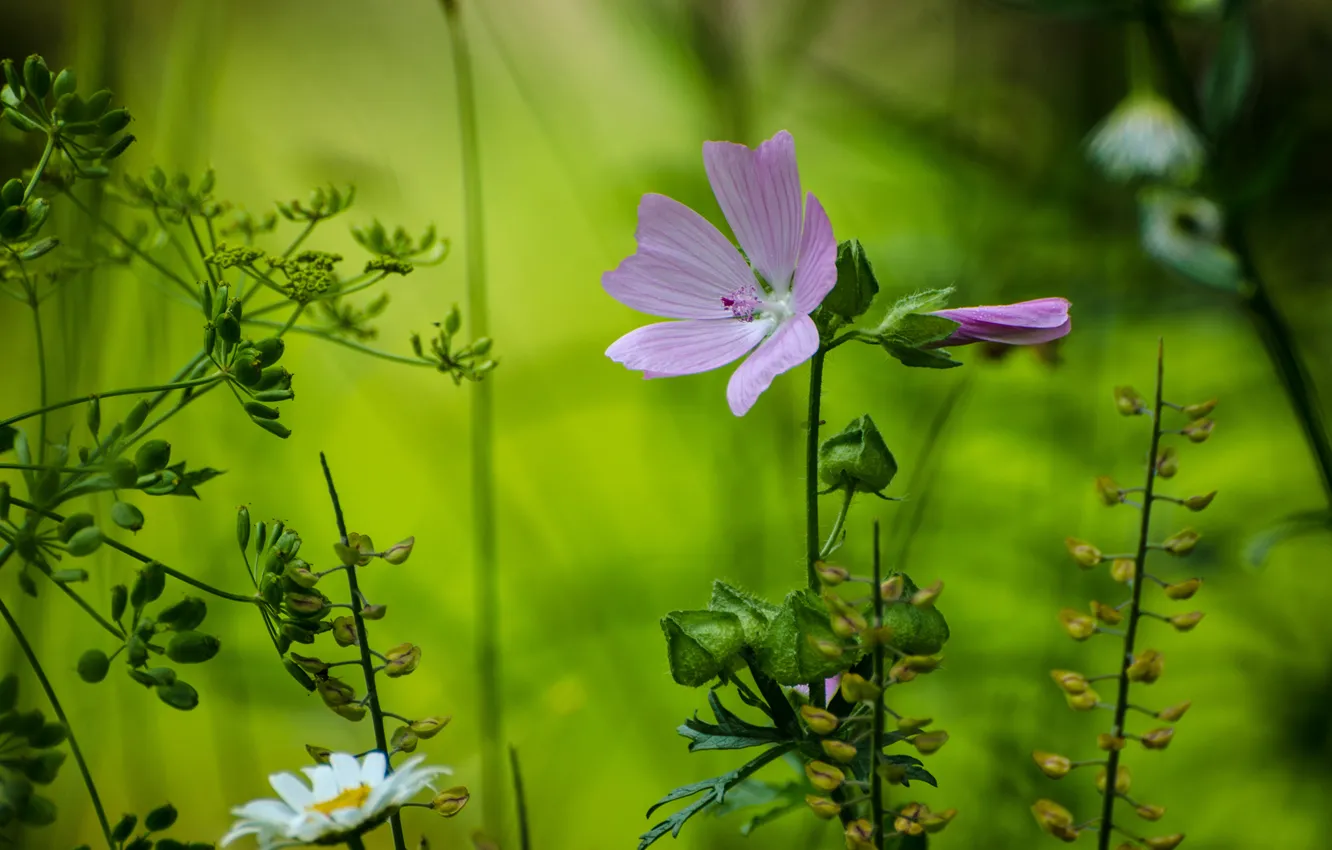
point(352, 798)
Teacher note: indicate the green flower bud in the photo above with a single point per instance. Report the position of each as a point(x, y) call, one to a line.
point(277, 429)
point(94, 416)
point(186, 615)
point(404, 739)
point(228, 328)
point(149, 585)
point(429, 727)
point(335, 692)
point(260, 411)
point(857, 458)
point(98, 101)
point(353, 712)
point(152, 456)
point(398, 552)
point(73, 524)
point(135, 418)
point(792, 652)
point(916, 630)
point(124, 828)
point(298, 573)
point(123, 473)
point(374, 612)
point(321, 755)
point(450, 801)
point(274, 395)
point(178, 695)
point(113, 122)
point(402, 659)
point(192, 647)
point(270, 350)
point(273, 378)
point(11, 194)
point(453, 321)
point(36, 76)
point(84, 542)
point(127, 516)
point(69, 576)
point(4, 501)
point(700, 644)
point(119, 597)
point(160, 819)
point(344, 631)
point(856, 284)
point(306, 604)
point(247, 369)
point(243, 527)
point(93, 666)
point(119, 147)
point(65, 83)
point(298, 633)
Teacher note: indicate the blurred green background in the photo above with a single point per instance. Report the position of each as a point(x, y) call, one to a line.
point(942, 133)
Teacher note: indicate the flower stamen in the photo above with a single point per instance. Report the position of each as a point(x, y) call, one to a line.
point(744, 303)
point(350, 798)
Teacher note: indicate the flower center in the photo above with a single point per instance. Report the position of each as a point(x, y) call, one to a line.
point(744, 303)
point(352, 798)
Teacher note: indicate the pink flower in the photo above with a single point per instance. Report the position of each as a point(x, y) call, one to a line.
point(685, 269)
point(1024, 323)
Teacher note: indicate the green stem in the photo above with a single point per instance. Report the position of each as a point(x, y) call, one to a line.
point(363, 642)
point(1134, 612)
point(876, 739)
point(831, 543)
point(520, 798)
point(47, 408)
point(812, 545)
point(1273, 329)
point(203, 252)
point(176, 243)
point(301, 237)
point(144, 559)
point(482, 415)
point(41, 167)
point(291, 320)
point(41, 372)
point(134, 249)
point(59, 710)
point(354, 842)
point(352, 344)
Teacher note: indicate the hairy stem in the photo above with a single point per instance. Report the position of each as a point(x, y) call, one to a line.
point(59, 710)
point(812, 545)
point(482, 417)
point(876, 737)
point(1134, 612)
point(363, 642)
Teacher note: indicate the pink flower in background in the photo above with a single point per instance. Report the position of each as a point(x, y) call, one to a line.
point(1024, 323)
point(686, 269)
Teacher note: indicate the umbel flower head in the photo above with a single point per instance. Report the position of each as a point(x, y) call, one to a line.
point(686, 269)
point(1145, 137)
point(344, 798)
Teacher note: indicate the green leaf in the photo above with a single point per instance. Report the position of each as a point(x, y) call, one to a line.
point(921, 358)
point(730, 732)
point(787, 654)
point(916, 631)
point(713, 792)
point(754, 613)
point(699, 644)
point(1229, 78)
point(752, 793)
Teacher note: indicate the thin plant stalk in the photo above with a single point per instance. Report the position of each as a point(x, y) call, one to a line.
point(813, 546)
point(876, 736)
point(482, 423)
point(367, 662)
point(1133, 614)
point(520, 800)
point(59, 710)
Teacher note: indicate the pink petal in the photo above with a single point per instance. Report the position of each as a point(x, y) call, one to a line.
point(816, 270)
point(759, 192)
point(794, 342)
point(1024, 323)
point(667, 349)
point(683, 266)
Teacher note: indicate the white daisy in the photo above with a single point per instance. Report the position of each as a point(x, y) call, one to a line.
point(1146, 137)
point(344, 798)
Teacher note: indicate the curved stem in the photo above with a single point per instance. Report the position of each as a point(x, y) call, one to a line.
point(838, 523)
point(41, 167)
point(353, 345)
point(59, 710)
point(1134, 612)
point(144, 559)
point(482, 415)
point(520, 798)
point(203, 252)
point(47, 408)
point(812, 546)
point(363, 642)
